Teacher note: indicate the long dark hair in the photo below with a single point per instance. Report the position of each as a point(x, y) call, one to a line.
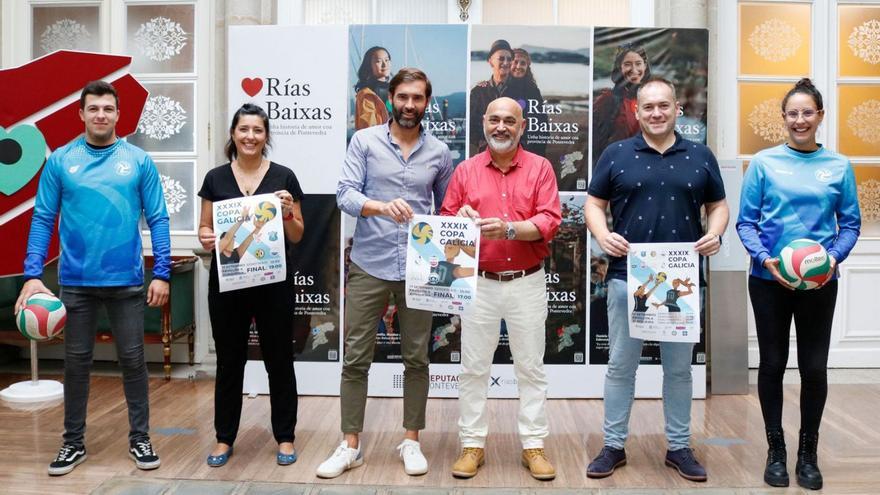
point(620, 84)
point(365, 71)
point(247, 109)
point(805, 86)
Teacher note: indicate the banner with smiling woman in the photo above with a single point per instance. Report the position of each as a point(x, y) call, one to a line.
point(546, 69)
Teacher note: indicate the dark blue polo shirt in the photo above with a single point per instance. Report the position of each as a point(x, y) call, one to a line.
point(654, 197)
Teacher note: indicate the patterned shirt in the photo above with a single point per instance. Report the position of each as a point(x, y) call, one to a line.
point(655, 197)
point(788, 195)
point(100, 193)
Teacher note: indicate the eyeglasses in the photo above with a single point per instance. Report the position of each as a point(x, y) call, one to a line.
point(808, 113)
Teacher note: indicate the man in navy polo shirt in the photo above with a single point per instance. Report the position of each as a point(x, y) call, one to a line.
point(656, 183)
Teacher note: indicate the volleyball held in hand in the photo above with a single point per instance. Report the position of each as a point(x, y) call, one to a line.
point(804, 264)
point(42, 318)
point(265, 211)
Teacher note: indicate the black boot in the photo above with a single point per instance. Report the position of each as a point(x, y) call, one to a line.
point(776, 474)
point(807, 467)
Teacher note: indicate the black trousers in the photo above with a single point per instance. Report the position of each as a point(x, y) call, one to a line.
point(813, 311)
point(271, 306)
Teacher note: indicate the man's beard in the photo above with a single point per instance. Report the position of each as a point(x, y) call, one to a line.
point(406, 123)
point(499, 146)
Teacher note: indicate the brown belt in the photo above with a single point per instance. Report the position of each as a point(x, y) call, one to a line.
point(508, 276)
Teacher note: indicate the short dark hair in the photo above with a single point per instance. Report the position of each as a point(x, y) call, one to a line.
point(406, 75)
point(247, 109)
point(97, 88)
point(658, 80)
point(805, 86)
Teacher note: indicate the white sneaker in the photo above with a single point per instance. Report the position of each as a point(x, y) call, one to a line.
point(414, 462)
point(342, 459)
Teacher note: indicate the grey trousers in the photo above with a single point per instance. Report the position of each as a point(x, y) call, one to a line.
point(125, 308)
point(366, 297)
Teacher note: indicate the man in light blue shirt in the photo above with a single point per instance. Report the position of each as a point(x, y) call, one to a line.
point(392, 171)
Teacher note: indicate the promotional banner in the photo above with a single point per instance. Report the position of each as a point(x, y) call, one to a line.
point(250, 242)
point(566, 274)
point(388, 328)
point(305, 99)
point(316, 277)
point(304, 96)
point(441, 263)
point(547, 71)
point(661, 278)
point(624, 57)
point(377, 52)
point(317, 100)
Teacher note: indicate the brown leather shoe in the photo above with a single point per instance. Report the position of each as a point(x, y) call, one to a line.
point(538, 464)
point(468, 463)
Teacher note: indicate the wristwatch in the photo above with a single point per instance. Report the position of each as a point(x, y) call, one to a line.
point(511, 232)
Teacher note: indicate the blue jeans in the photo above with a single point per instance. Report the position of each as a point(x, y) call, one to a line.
point(125, 308)
point(620, 379)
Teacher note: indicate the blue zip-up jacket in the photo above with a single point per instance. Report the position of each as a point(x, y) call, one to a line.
point(788, 195)
point(100, 194)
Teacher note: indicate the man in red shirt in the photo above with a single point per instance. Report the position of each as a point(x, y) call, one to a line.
point(513, 197)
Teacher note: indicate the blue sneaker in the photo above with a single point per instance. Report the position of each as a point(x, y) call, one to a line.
point(285, 459)
point(606, 462)
point(219, 460)
point(686, 464)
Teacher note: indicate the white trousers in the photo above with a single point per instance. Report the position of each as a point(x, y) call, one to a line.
point(522, 303)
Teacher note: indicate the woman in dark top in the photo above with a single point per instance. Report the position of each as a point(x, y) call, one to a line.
point(270, 306)
point(614, 116)
point(641, 295)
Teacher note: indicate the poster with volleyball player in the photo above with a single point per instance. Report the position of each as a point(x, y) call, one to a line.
point(250, 242)
point(441, 263)
point(663, 279)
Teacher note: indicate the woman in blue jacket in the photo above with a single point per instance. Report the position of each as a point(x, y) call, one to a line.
point(796, 190)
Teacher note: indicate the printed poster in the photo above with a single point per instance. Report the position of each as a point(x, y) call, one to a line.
point(250, 241)
point(566, 273)
point(377, 52)
point(663, 279)
point(625, 57)
point(441, 263)
point(547, 71)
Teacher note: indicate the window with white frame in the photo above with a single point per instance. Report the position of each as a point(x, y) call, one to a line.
point(166, 42)
point(836, 44)
point(519, 12)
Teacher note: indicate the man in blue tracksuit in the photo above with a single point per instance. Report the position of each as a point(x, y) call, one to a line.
point(100, 185)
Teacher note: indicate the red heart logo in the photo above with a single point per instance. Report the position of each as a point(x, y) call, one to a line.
point(252, 86)
point(58, 127)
